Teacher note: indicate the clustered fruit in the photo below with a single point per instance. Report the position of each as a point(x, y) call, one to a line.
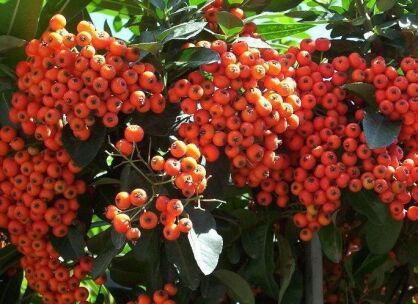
point(39, 192)
point(83, 77)
point(137, 210)
point(160, 296)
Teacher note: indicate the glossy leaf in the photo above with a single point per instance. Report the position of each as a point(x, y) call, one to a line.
point(180, 254)
point(195, 57)
point(125, 271)
point(367, 203)
point(10, 42)
point(229, 23)
point(331, 242)
point(282, 5)
point(219, 172)
point(19, 18)
point(276, 30)
point(381, 238)
point(70, 247)
point(380, 131)
point(236, 286)
point(205, 242)
point(83, 152)
point(182, 31)
point(287, 266)
point(363, 90)
point(385, 5)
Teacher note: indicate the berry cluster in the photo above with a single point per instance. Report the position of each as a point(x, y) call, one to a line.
point(181, 170)
point(161, 296)
point(39, 197)
point(84, 77)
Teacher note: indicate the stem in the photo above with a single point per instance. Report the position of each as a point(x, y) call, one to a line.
point(362, 10)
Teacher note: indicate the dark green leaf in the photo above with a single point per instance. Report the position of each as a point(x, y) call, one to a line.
point(282, 5)
point(125, 271)
point(157, 124)
point(130, 179)
point(229, 23)
point(236, 286)
point(180, 254)
point(195, 57)
point(219, 172)
point(287, 266)
point(118, 239)
point(379, 130)
point(106, 27)
point(10, 288)
point(367, 203)
point(9, 256)
point(256, 5)
point(182, 31)
point(83, 152)
point(151, 47)
point(370, 263)
point(20, 18)
point(10, 42)
point(363, 90)
point(331, 242)
point(294, 293)
point(4, 109)
point(260, 271)
point(70, 247)
point(205, 242)
point(102, 261)
point(381, 238)
point(158, 4)
point(105, 181)
point(276, 30)
point(385, 5)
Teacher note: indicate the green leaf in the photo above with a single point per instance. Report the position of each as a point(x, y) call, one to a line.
point(205, 242)
point(68, 8)
point(125, 270)
point(4, 109)
point(102, 261)
point(381, 238)
point(70, 247)
point(117, 23)
point(151, 47)
point(230, 24)
point(181, 31)
point(260, 271)
point(363, 90)
point(254, 42)
point(10, 288)
point(294, 292)
point(19, 18)
point(380, 131)
point(105, 181)
point(367, 203)
point(385, 5)
point(180, 254)
point(282, 5)
point(83, 152)
point(273, 31)
point(256, 5)
point(287, 266)
point(237, 288)
point(219, 170)
point(9, 256)
point(10, 42)
point(195, 57)
point(371, 262)
point(331, 242)
point(131, 179)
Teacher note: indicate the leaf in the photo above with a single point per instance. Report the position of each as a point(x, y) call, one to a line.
point(380, 239)
point(385, 5)
point(282, 5)
point(105, 181)
point(10, 288)
point(287, 266)
point(363, 90)
point(254, 42)
point(117, 23)
point(236, 286)
point(147, 247)
point(371, 262)
point(68, 8)
point(230, 24)
point(9, 256)
point(331, 242)
point(367, 203)
point(379, 130)
point(83, 152)
point(151, 47)
point(256, 5)
point(205, 242)
point(102, 261)
point(274, 31)
point(180, 254)
point(195, 57)
point(19, 18)
point(70, 247)
point(131, 179)
point(10, 42)
point(260, 271)
point(294, 292)
point(4, 109)
point(125, 271)
point(219, 172)
point(181, 31)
